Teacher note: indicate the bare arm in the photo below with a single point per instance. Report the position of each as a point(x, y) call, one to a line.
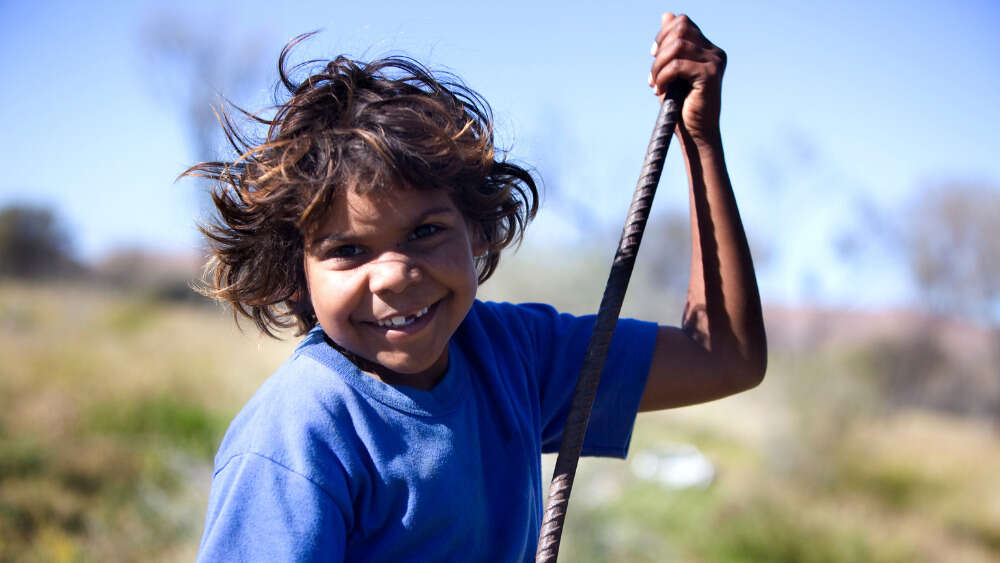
point(720, 348)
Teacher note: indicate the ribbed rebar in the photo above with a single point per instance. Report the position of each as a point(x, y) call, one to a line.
point(604, 329)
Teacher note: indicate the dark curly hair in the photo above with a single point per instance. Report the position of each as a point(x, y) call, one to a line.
point(386, 124)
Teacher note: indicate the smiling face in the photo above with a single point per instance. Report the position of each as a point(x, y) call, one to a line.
point(391, 276)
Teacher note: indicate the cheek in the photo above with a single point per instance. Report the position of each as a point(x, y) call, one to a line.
point(457, 260)
point(329, 295)
point(465, 273)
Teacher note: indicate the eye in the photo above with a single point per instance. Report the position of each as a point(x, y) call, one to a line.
point(424, 231)
point(345, 251)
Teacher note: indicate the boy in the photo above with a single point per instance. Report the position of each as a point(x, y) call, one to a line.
point(408, 423)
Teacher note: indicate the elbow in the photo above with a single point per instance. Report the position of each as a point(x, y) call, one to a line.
point(744, 358)
point(753, 375)
point(745, 377)
point(751, 367)
point(739, 374)
point(755, 353)
point(757, 365)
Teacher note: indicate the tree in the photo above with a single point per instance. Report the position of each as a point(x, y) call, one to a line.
point(196, 61)
point(33, 244)
point(951, 236)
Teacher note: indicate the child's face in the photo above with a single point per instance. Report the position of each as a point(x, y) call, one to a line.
point(391, 276)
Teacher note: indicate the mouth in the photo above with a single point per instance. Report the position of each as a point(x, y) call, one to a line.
point(401, 320)
point(406, 324)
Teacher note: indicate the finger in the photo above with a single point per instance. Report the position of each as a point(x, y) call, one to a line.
point(693, 72)
point(676, 49)
point(683, 48)
point(678, 26)
point(711, 61)
point(665, 20)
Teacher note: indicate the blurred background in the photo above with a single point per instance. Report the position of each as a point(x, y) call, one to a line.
point(861, 140)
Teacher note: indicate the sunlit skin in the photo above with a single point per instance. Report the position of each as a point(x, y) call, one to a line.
point(389, 257)
point(720, 348)
point(393, 255)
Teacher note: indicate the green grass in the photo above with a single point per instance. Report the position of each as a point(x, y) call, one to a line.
point(896, 486)
point(20, 457)
point(130, 316)
point(170, 420)
point(649, 523)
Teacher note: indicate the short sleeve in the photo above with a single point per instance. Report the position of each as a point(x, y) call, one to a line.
point(553, 347)
point(260, 510)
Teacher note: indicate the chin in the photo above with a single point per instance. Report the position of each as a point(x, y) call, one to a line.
point(411, 366)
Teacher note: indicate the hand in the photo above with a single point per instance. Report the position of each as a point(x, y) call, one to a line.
point(684, 54)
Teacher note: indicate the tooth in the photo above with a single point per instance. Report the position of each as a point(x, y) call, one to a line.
point(402, 320)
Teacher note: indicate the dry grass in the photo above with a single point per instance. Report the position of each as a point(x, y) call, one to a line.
point(111, 406)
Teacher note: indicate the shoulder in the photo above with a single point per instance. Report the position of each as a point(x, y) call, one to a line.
point(541, 337)
point(515, 321)
point(297, 419)
point(540, 324)
point(282, 473)
point(505, 328)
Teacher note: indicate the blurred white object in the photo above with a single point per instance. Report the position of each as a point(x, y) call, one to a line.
point(676, 466)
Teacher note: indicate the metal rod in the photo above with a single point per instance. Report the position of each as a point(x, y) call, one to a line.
point(604, 328)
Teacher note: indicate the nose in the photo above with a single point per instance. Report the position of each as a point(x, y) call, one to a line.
point(393, 272)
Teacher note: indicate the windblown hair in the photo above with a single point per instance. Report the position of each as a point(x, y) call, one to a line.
point(350, 125)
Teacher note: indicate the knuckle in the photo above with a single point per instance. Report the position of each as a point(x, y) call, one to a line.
point(686, 27)
point(677, 47)
point(721, 60)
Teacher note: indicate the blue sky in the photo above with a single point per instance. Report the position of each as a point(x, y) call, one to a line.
point(825, 108)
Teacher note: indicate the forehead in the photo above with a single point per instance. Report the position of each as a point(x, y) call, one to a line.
point(354, 212)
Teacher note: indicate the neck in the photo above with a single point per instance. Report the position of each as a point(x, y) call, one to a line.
point(419, 381)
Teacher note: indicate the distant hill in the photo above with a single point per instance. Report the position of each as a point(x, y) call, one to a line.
point(166, 275)
point(808, 328)
point(918, 359)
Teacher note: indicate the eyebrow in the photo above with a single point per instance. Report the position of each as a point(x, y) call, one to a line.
point(335, 237)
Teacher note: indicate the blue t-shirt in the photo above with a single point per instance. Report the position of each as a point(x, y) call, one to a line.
point(326, 463)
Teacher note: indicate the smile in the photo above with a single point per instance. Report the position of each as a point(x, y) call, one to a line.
point(401, 321)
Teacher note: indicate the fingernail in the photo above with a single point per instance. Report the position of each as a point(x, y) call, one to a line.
point(651, 79)
point(652, 50)
point(665, 17)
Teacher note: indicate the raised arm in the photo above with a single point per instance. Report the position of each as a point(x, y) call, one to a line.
point(720, 348)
